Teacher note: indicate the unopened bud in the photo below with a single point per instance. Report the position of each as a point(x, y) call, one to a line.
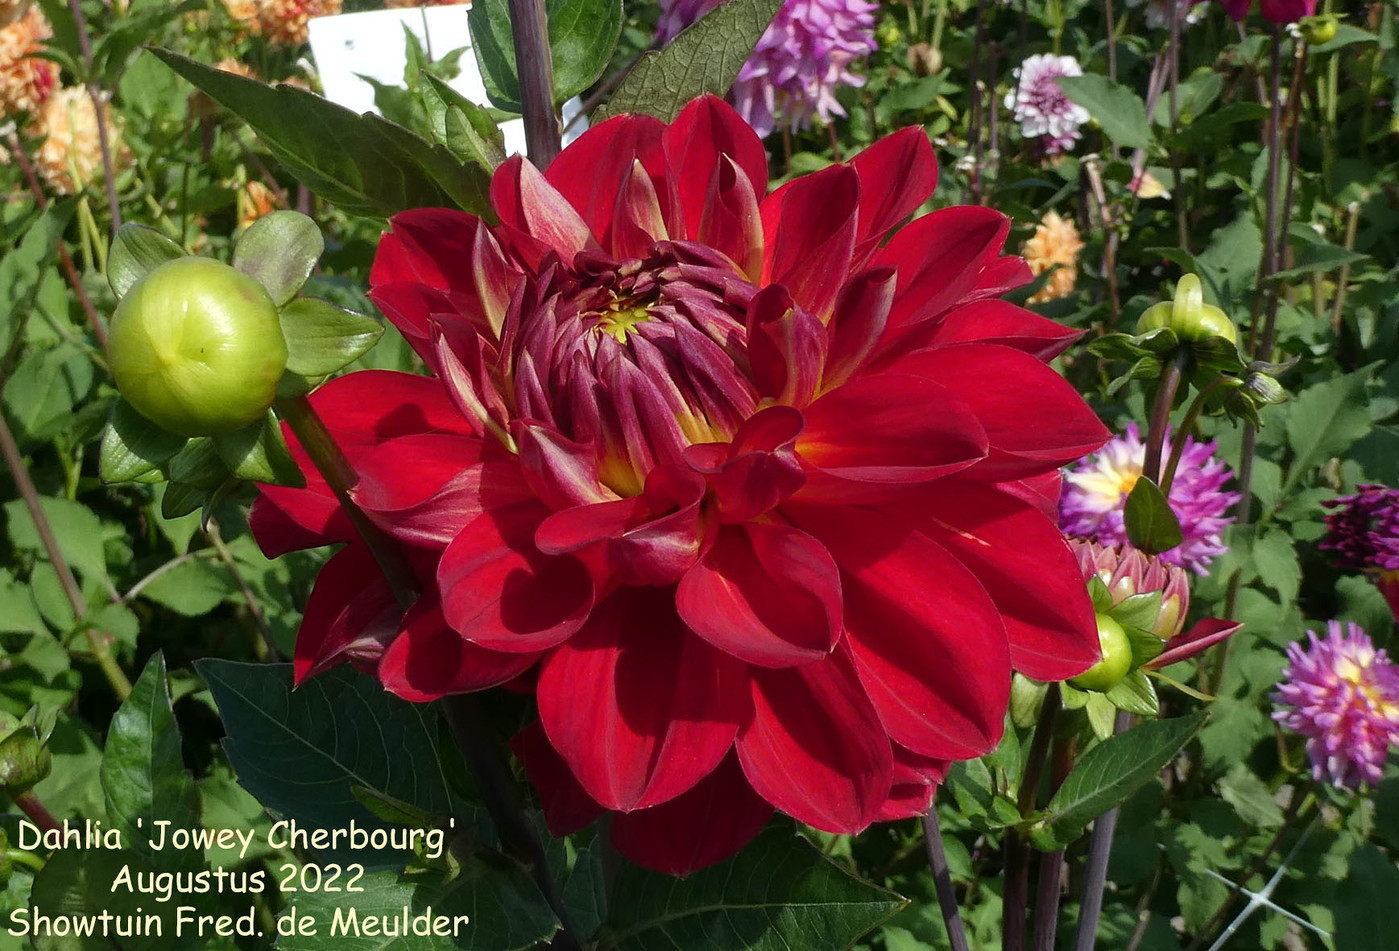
point(1188, 316)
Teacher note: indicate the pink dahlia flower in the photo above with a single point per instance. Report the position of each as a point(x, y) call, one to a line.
point(1095, 495)
point(1364, 532)
point(800, 61)
point(1045, 114)
point(1343, 695)
point(1274, 11)
point(755, 497)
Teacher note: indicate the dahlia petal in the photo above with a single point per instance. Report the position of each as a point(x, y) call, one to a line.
point(461, 367)
point(939, 258)
point(350, 615)
point(428, 659)
point(501, 593)
point(639, 708)
point(707, 824)
point(892, 428)
point(1023, 562)
point(706, 130)
point(758, 469)
point(809, 231)
point(1001, 322)
point(567, 805)
point(637, 221)
point(563, 473)
point(999, 277)
point(786, 347)
point(525, 201)
point(1205, 634)
point(590, 172)
point(916, 779)
point(815, 747)
point(730, 221)
point(767, 594)
point(897, 174)
point(1027, 435)
point(928, 642)
point(860, 317)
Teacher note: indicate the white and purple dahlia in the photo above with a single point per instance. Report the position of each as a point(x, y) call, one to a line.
point(1045, 114)
point(1095, 495)
point(1343, 696)
point(805, 55)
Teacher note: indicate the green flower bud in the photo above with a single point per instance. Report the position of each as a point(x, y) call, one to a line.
point(1116, 662)
point(1188, 316)
point(1318, 29)
point(196, 347)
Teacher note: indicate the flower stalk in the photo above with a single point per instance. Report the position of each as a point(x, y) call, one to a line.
point(942, 881)
point(98, 101)
point(536, 68)
point(1096, 874)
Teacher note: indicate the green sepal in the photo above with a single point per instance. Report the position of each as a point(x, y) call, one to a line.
point(294, 384)
point(225, 489)
point(258, 453)
point(1102, 715)
point(1152, 526)
point(1146, 646)
point(181, 499)
point(1217, 352)
point(1071, 697)
point(1140, 610)
point(1162, 341)
point(1117, 346)
point(133, 447)
point(1026, 696)
point(1135, 694)
point(280, 250)
point(24, 759)
point(198, 465)
point(465, 128)
point(322, 338)
point(1099, 594)
point(1147, 368)
point(136, 251)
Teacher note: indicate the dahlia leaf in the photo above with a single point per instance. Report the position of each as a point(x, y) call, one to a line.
point(1324, 421)
point(323, 338)
point(302, 752)
point(280, 250)
point(704, 58)
point(778, 893)
point(144, 779)
point(365, 165)
point(1108, 774)
point(1364, 908)
point(1116, 108)
point(1151, 524)
point(461, 125)
point(504, 908)
point(582, 36)
point(136, 251)
point(133, 446)
point(259, 453)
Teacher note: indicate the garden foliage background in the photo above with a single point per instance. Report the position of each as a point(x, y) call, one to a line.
point(200, 620)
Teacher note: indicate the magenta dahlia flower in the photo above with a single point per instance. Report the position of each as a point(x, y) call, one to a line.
point(1343, 695)
point(1095, 494)
point(802, 58)
point(758, 503)
point(1045, 114)
point(1274, 11)
point(1364, 532)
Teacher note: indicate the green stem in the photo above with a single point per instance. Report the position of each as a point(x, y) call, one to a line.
point(1018, 852)
point(1161, 412)
point(1186, 424)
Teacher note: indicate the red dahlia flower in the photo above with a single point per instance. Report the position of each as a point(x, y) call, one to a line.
point(765, 503)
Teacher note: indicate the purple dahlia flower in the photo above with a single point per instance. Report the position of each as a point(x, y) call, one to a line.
point(1343, 696)
point(1045, 114)
point(1364, 531)
point(800, 61)
point(1095, 493)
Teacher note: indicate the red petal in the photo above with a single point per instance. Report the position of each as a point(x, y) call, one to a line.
point(502, 593)
point(640, 708)
point(563, 473)
point(815, 747)
point(859, 321)
point(428, 659)
point(730, 222)
point(809, 231)
point(708, 824)
point(767, 594)
point(706, 129)
point(525, 201)
point(350, 615)
point(1206, 633)
point(998, 321)
point(786, 347)
point(637, 219)
point(589, 173)
point(1022, 560)
point(758, 469)
point(893, 429)
point(897, 174)
point(1041, 491)
point(567, 806)
point(1035, 420)
point(929, 644)
point(915, 782)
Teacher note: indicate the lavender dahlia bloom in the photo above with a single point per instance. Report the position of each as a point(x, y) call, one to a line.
point(1045, 114)
point(1343, 695)
point(1095, 493)
point(800, 61)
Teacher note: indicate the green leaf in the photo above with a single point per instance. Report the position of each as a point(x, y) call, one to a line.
point(181, 499)
point(280, 250)
point(1194, 96)
point(133, 446)
point(1314, 257)
point(75, 527)
point(502, 905)
point(777, 894)
point(1116, 108)
point(1250, 797)
point(191, 587)
point(22, 270)
point(1151, 524)
point(1324, 421)
point(47, 389)
point(302, 752)
point(365, 165)
point(322, 338)
point(198, 465)
point(1110, 772)
point(704, 58)
point(464, 127)
point(1365, 906)
point(582, 35)
point(143, 775)
point(259, 453)
point(1345, 36)
point(1276, 560)
point(78, 883)
point(136, 251)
